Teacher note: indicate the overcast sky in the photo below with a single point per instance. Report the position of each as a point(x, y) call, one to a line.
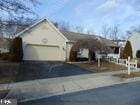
point(92, 14)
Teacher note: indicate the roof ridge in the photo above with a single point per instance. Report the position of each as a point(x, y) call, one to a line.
point(78, 33)
point(73, 36)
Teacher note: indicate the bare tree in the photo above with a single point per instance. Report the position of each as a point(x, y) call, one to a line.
point(10, 27)
point(115, 32)
point(133, 29)
point(79, 29)
point(90, 31)
point(64, 26)
point(17, 6)
point(15, 10)
point(125, 36)
point(105, 30)
point(1, 25)
point(55, 24)
point(24, 20)
point(92, 44)
point(136, 28)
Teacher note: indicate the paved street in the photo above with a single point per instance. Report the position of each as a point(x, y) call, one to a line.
point(124, 94)
point(43, 88)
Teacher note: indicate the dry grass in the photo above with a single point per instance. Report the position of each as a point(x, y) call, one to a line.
point(105, 66)
point(9, 79)
point(3, 93)
point(8, 72)
point(132, 75)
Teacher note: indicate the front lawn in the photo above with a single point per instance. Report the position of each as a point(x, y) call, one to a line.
point(8, 72)
point(3, 93)
point(105, 66)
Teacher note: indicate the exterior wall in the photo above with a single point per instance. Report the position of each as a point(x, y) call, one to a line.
point(68, 49)
point(84, 53)
point(115, 53)
point(46, 35)
point(135, 43)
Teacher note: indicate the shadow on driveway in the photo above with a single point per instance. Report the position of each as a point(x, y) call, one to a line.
point(41, 70)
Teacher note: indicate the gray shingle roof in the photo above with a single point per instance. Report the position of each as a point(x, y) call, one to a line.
point(73, 36)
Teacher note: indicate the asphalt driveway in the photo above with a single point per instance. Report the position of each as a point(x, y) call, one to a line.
point(41, 70)
point(124, 94)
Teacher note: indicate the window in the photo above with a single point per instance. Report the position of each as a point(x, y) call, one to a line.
point(116, 50)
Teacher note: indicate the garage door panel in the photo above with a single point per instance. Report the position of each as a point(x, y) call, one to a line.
point(34, 52)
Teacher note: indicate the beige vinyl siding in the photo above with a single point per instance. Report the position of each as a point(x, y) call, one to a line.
point(36, 36)
point(44, 53)
point(135, 43)
point(68, 50)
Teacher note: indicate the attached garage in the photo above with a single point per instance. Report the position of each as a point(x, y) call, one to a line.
point(41, 52)
point(43, 42)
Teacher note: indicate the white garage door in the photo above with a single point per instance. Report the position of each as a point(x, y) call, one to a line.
point(36, 52)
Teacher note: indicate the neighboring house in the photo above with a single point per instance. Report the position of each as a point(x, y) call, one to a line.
point(42, 41)
point(73, 37)
point(4, 45)
point(135, 42)
point(83, 53)
point(121, 43)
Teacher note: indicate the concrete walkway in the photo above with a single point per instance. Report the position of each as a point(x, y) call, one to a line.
point(25, 91)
